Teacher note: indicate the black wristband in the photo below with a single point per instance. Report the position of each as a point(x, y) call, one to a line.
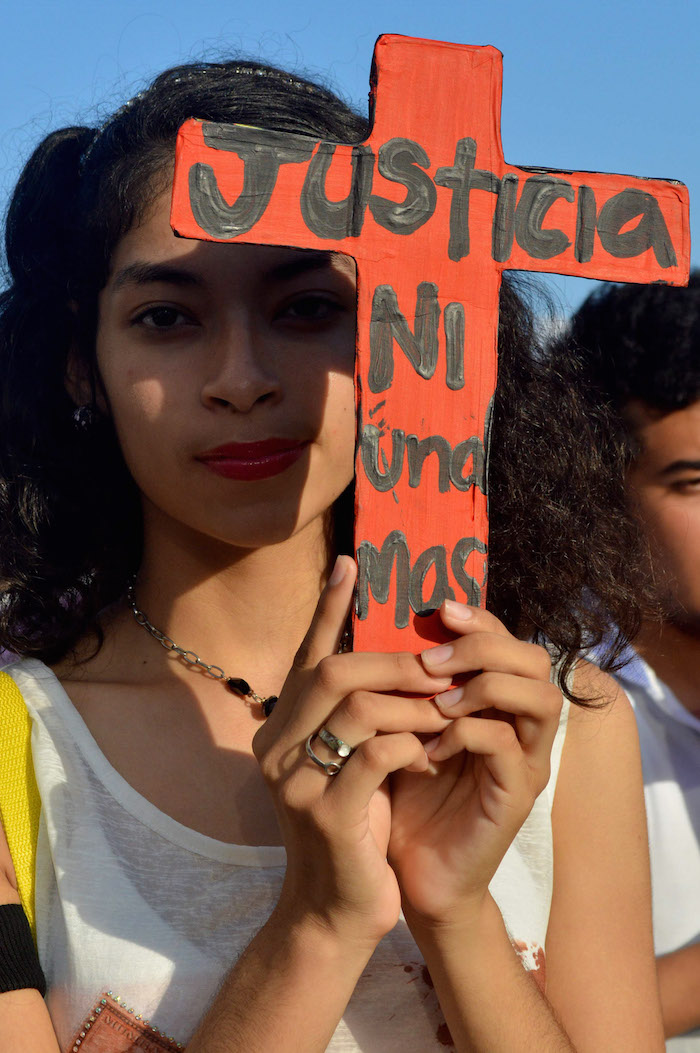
point(19, 962)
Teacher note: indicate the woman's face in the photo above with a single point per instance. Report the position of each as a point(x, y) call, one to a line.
point(229, 375)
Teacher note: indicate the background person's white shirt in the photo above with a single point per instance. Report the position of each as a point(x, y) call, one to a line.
point(669, 737)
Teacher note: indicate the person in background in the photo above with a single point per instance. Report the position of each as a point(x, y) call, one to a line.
point(637, 349)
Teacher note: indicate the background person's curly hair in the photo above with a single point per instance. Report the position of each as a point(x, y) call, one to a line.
point(568, 561)
point(70, 521)
point(640, 342)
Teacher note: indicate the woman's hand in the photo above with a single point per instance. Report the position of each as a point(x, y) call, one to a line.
point(336, 829)
point(450, 830)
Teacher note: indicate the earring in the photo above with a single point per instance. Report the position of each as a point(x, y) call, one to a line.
point(84, 418)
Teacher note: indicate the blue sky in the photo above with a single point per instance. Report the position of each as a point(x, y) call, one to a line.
point(607, 86)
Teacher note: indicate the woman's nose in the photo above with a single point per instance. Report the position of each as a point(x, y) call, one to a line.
point(242, 372)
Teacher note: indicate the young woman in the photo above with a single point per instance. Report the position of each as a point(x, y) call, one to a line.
point(198, 497)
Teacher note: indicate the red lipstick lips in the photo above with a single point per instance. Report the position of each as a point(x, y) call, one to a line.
point(253, 460)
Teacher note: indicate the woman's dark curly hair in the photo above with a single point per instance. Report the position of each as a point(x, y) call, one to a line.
point(561, 544)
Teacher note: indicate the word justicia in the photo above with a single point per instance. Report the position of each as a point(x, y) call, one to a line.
point(627, 224)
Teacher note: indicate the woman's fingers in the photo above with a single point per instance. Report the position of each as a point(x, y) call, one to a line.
point(460, 617)
point(364, 714)
point(369, 766)
point(500, 674)
point(512, 748)
point(320, 678)
point(360, 698)
point(339, 676)
point(536, 704)
point(495, 740)
point(484, 644)
point(330, 617)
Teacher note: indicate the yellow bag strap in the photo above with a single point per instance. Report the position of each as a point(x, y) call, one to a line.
point(20, 804)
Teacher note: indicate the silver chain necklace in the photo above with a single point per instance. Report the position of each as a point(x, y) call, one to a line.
point(236, 684)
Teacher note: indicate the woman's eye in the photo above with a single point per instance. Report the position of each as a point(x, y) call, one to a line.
point(687, 486)
point(312, 309)
point(162, 318)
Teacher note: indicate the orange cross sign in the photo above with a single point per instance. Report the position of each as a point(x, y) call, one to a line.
point(432, 215)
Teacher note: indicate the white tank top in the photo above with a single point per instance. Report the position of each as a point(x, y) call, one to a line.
point(130, 901)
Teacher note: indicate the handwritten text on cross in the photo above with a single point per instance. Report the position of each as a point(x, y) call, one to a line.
point(432, 215)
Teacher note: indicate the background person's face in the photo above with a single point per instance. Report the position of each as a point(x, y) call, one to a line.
point(665, 483)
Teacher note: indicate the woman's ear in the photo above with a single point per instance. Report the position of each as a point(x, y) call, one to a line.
point(81, 379)
point(77, 381)
point(84, 384)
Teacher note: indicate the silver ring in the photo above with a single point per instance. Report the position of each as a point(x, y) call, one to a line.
point(331, 768)
point(335, 744)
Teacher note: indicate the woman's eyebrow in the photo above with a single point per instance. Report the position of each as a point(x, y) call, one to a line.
point(141, 273)
point(681, 466)
point(303, 261)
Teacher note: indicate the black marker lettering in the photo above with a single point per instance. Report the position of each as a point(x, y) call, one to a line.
point(461, 179)
point(462, 550)
point(453, 321)
point(369, 447)
point(474, 448)
point(241, 140)
point(261, 159)
point(650, 233)
point(336, 219)
point(586, 216)
point(442, 590)
point(374, 573)
point(503, 227)
point(451, 463)
point(398, 161)
point(539, 194)
point(419, 449)
point(375, 570)
point(388, 324)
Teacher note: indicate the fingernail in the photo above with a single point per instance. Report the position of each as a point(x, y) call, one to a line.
point(458, 610)
point(449, 698)
point(437, 655)
point(440, 684)
point(430, 745)
point(338, 572)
